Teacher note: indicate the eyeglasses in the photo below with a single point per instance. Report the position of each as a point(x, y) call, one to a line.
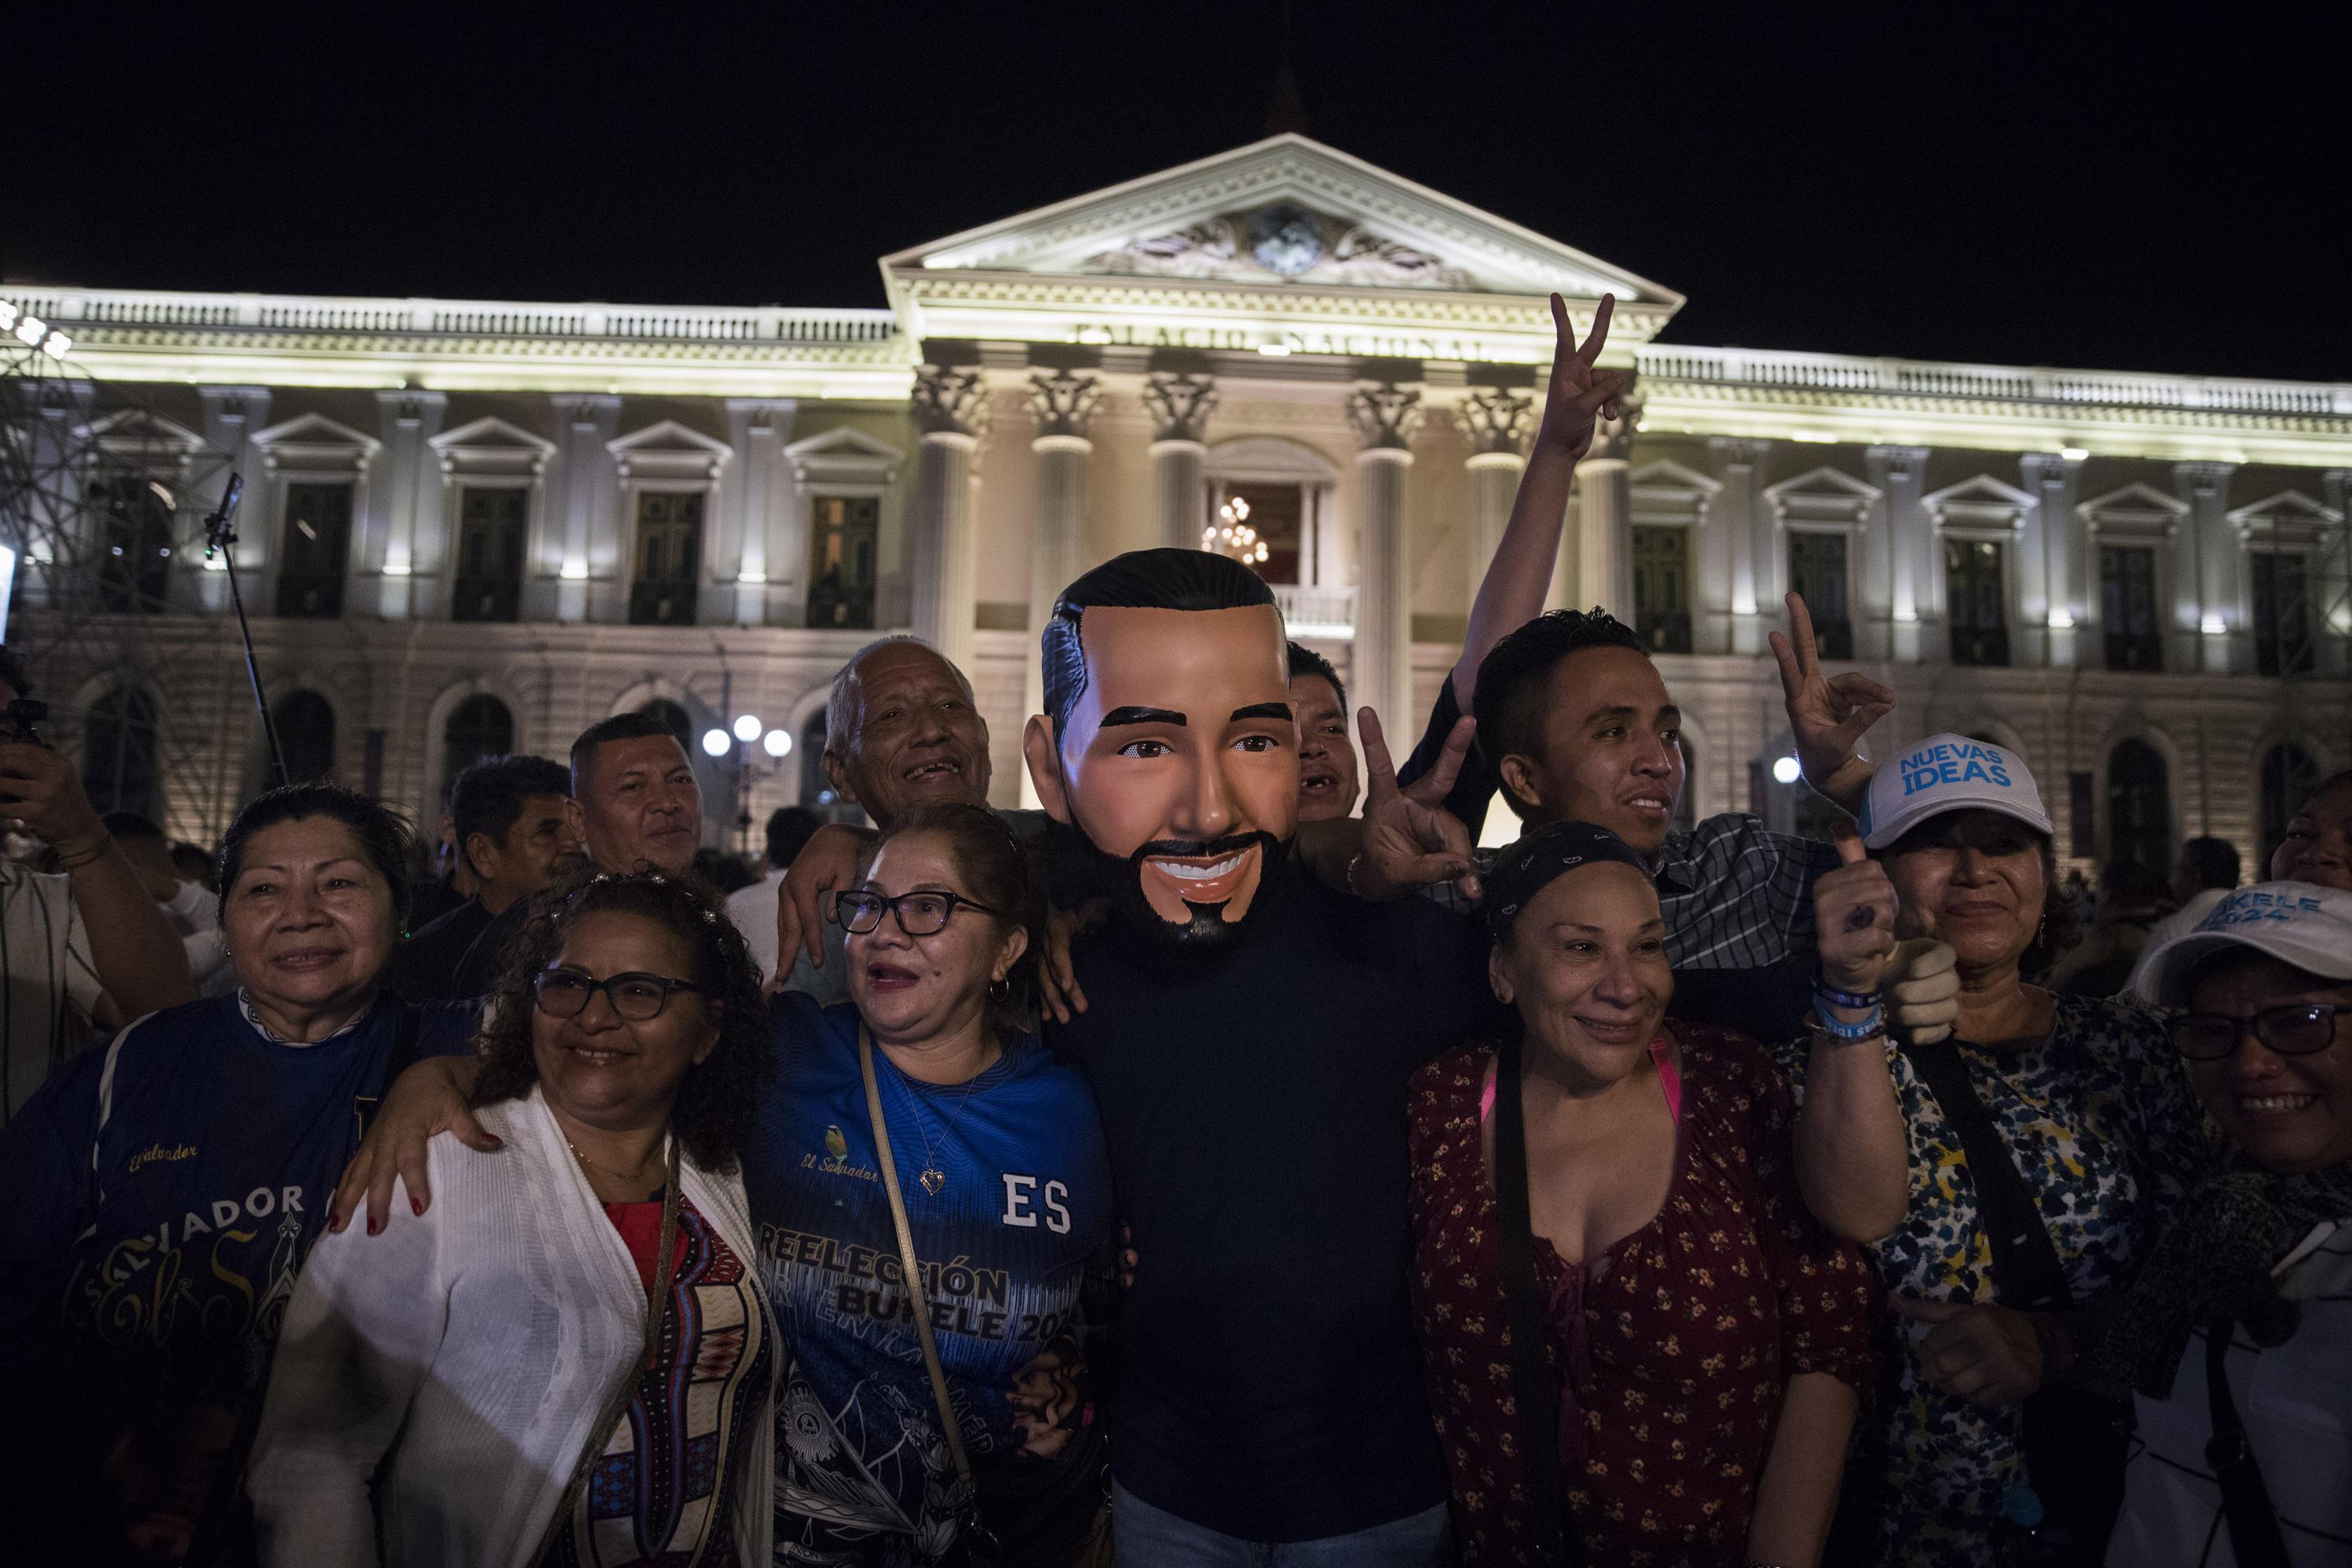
point(2295, 1030)
point(637, 997)
point(918, 914)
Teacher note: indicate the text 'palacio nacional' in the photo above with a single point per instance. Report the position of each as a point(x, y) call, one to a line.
point(475, 526)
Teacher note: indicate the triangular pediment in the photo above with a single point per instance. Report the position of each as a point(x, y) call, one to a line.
point(2289, 517)
point(667, 449)
point(1824, 495)
point(1287, 216)
point(1980, 499)
point(844, 454)
point(316, 430)
point(141, 431)
point(2135, 502)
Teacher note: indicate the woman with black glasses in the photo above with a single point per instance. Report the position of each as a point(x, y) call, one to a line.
point(570, 1359)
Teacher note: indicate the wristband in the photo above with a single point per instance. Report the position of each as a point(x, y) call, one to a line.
point(1873, 1024)
point(89, 856)
point(1825, 991)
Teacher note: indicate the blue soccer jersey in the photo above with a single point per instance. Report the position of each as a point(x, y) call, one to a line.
point(1008, 1194)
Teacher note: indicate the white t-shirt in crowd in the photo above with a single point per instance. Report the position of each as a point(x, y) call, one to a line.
point(48, 985)
point(2295, 1400)
point(753, 911)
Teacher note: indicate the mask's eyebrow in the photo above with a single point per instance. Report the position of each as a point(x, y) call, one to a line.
point(1262, 710)
point(1133, 715)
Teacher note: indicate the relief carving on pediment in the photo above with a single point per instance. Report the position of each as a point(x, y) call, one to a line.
point(1281, 243)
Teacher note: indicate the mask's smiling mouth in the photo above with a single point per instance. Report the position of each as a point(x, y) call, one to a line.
point(1204, 880)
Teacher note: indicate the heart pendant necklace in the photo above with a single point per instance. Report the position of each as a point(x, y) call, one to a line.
point(931, 1177)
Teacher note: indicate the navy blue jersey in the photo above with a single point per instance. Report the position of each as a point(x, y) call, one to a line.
point(1022, 1203)
point(161, 1193)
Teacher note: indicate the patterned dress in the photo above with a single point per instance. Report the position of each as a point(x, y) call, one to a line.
point(2106, 1137)
point(664, 1491)
point(1678, 1342)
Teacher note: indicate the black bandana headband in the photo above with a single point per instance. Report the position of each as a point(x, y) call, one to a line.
point(1532, 864)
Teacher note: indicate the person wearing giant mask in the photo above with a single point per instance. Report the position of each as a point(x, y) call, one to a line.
point(1248, 1040)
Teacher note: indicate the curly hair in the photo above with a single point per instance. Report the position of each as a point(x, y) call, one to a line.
point(713, 1114)
point(1001, 874)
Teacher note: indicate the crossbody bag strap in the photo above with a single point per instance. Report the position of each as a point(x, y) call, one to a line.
point(912, 1270)
point(1534, 1390)
point(2028, 1275)
point(2255, 1534)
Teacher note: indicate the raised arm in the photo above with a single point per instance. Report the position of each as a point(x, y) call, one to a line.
point(1512, 593)
point(428, 1098)
point(137, 957)
point(1407, 839)
point(1853, 1156)
point(826, 864)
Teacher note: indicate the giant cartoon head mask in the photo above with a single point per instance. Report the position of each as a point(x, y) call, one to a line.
point(1168, 739)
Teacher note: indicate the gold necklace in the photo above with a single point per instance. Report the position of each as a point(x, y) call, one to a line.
point(637, 1175)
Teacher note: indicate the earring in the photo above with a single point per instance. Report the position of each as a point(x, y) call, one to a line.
point(1000, 988)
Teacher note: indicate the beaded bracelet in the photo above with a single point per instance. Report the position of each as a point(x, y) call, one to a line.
point(1871, 1023)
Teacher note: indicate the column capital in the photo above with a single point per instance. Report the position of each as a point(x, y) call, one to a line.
point(408, 405)
point(1179, 404)
point(2205, 477)
point(1614, 438)
point(1062, 403)
point(1077, 443)
point(1498, 420)
point(2049, 468)
point(763, 414)
point(950, 402)
point(1903, 462)
point(1514, 462)
point(1739, 451)
point(236, 402)
point(1386, 417)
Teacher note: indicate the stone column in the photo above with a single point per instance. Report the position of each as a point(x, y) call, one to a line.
point(1907, 556)
point(1062, 403)
point(1179, 407)
point(1386, 417)
point(2211, 559)
point(757, 511)
point(411, 534)
point(1739, 463)
point(586, 542)
point(232, 415)
point(951, 410)
point(1604, 515)
point(1497, 421)
point(2066, 582)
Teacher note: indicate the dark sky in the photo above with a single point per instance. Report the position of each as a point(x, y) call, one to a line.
point(2133, 187)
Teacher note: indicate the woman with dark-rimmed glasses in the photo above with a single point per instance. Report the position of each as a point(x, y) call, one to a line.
point(570, 1359)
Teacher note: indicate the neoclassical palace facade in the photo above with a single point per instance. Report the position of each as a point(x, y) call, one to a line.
point(472, 526)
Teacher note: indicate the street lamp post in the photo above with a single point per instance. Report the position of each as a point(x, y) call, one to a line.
point(751, 736)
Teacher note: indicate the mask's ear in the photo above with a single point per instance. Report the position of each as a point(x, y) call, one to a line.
point(1044, 759)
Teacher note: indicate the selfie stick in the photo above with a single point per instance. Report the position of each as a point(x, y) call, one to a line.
point(220, 532)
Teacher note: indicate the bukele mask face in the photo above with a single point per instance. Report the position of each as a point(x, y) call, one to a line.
point(1178, 762)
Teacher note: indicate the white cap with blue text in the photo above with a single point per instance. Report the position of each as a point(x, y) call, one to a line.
point(2301, 923)
point(1948, 772)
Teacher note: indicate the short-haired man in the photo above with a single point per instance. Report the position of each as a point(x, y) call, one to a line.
point(1328, 780)
point(513, 828)
point(2205, 866)
point(635, 806)
point(89, 947)
point(753, 907)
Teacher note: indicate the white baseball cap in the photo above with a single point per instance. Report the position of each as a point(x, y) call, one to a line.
point(2301, 923)
point(1948, 772)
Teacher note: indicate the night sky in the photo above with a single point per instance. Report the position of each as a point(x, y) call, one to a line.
point(2142, 187)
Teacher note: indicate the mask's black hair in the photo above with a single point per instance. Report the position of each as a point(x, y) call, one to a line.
point(1139, 580)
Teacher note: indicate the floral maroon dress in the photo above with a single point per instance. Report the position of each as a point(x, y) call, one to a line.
point(1679, 1340)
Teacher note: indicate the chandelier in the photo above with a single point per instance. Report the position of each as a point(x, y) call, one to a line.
point(1231, 535)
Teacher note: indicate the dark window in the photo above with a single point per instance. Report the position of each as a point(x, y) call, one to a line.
point(305, 730)
point(2281, 614)
point(1978, 601)
point(134, 541)
point(490, 525)
point(119, 753)
point(478, 727)
point(1661, 589)
point(2139, 807)
point(317, 540)
point(1817, 572)
point(2288, 776)
point(1278, 513)
point(844, 539)
point(2127, 617)
point(670, 559)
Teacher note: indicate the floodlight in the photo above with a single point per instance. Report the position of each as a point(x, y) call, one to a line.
point(59, 345)
point(715, 742)
point(7, 315)
point(31, 330)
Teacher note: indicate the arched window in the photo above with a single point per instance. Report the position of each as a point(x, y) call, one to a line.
point(119, 753)
point(305, 730)
point(478, 727)
point(2288, 776)
point(2139, 807)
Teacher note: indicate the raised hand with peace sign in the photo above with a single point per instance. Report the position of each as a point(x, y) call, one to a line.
point(1827, 714)
point(1579, 391)
point(1409, 839)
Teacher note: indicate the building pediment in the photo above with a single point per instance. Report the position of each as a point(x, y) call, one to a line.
point(669, 451)
point(1293, 236)
point(1822, 495)
point(312, 443)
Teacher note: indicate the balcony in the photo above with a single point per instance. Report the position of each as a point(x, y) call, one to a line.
point(1317, 612)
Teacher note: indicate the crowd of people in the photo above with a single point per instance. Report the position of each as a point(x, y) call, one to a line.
point(1226, 1162)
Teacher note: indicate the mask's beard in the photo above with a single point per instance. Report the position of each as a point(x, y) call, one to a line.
point(1207, 930)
